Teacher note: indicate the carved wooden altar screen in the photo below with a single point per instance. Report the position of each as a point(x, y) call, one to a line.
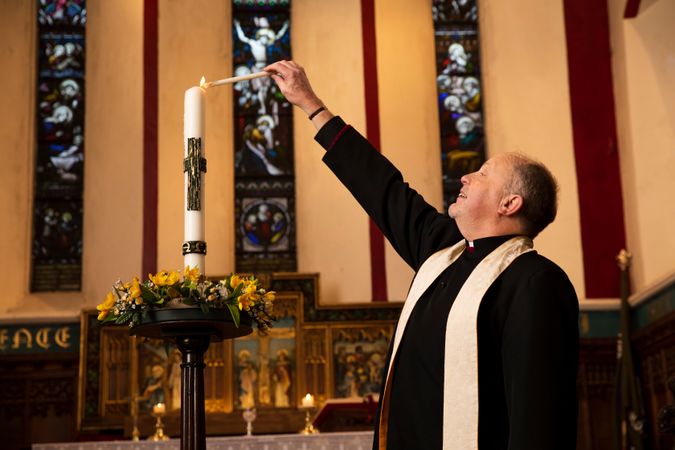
point(329, 351)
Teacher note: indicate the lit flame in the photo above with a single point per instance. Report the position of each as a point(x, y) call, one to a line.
point(202, 83)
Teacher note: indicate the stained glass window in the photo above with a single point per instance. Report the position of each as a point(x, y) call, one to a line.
point(263, 140)
point(57, 209)
point(460, 101)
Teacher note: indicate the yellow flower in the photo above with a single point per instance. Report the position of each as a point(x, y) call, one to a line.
point(173, 278)
point(191, 274)
point(106, 306)
point(250, 289)
point(135, 289)
point(244, 301)
point(235, 281)
point(270, 296)
point(160, 278)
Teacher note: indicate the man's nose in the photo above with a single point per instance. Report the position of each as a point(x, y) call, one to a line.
point(465, 178)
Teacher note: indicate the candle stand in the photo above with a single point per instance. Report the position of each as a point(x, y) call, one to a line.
point(159, 429)
point(192, 330)
point(309, 428)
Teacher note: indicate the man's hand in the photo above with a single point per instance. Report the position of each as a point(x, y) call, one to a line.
point(291, 79)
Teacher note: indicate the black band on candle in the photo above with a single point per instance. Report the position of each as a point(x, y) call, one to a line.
point(315, 113)
point(194, 247)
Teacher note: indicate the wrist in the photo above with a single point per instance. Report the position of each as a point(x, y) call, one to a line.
point(310, 107)
point(316, 112)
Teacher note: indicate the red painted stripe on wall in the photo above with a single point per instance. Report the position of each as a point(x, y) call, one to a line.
point(378, 272)
point(150, 50)
point(595, 144)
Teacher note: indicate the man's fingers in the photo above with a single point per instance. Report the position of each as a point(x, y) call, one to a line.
point(284, 68)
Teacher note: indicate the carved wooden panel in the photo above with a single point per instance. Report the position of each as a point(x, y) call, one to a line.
point(37, 399)
point(655, 350)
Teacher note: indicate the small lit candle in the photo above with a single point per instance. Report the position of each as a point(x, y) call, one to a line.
point(159, 408)
point(308, 401)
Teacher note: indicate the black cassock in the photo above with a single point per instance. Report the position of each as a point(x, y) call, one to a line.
point(528, 339)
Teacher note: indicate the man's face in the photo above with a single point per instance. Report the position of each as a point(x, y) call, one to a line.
point(478, 201)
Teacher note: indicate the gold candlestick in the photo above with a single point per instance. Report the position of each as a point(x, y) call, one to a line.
point(307, 403)
point(158, 411)
point(309, 428)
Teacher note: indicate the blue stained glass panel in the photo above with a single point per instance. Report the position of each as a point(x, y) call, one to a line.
point(61, 109)
point(59, 162)
point(460, 99)
point(60, 169)
point(263, 140)
point(62, 12)
point(265, 224)
point(457, 51)
point(58, 230)
point(451, 11)
point(263, 146)
point(62, 55)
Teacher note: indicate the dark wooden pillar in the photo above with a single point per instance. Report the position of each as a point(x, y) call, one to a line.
point(193, 419)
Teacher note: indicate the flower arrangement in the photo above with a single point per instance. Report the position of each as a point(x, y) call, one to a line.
point(128, 302)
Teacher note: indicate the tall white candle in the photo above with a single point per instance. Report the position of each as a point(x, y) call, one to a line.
point(193, 127)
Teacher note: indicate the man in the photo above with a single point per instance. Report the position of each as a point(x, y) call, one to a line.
point(485, 351)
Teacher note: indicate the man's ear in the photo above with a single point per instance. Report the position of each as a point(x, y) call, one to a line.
point(510, 205)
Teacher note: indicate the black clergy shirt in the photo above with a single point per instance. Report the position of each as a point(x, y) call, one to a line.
point(527, 329)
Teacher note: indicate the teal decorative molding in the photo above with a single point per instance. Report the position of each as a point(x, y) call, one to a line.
point(655, 307)
point(603, 323)
point(598, 324)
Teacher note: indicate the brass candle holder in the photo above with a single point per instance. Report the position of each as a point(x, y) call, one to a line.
point(309, 428)
point(308, 405)
point(158, 411)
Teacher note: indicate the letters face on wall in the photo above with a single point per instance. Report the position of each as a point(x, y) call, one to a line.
point(42, 338)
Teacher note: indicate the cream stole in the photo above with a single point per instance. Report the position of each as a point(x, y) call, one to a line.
point(460, 390)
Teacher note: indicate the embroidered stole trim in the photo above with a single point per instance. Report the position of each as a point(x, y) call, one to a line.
point(460, 390)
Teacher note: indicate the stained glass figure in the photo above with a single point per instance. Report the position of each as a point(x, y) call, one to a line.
point(60, 108)
point(263, 141)
point(449, 11)
point(459, 92)
point(59, 169)
point(57, 245)
point(259, 40)
point(265, 234)
point(62, 12)
point(62, 55)
point(263, 146)
point(265, 224)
